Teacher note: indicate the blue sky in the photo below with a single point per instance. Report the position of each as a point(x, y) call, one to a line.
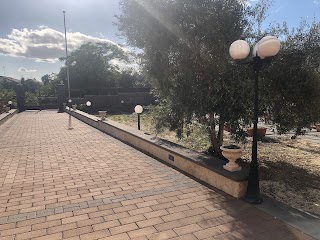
point(31, 31)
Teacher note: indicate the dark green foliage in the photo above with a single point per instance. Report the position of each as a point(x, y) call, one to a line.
point(31, 85)
point(46, 79)
point(50, 84)
point(31, 98)
point(185, 45)
point(90, 66)
point(7, 91)
point(7, 85)
point(8, 95)
point(292, 83)
point(129, 79)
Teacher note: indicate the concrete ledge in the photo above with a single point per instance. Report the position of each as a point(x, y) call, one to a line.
point(200, 166)
point(6, 116)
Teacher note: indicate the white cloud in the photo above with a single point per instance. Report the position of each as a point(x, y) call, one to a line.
point(22, 69)
point(316, 2)
point(42, 26)
point(43, 44)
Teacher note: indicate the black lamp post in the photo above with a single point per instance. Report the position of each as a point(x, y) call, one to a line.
point(138, 109)
point(267, 47)
point(122, 105)
point(10, 104)
point(88, 104)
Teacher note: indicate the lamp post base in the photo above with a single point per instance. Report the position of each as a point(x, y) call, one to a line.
point(69, 123)
point(253, 199)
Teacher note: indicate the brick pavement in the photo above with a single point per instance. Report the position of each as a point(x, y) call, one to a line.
point(83, 184)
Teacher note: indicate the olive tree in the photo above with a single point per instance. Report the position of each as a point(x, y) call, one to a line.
point(185, 55)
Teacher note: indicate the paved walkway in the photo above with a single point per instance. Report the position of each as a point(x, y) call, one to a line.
point(83, 184)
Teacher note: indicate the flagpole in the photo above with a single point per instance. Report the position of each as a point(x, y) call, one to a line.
point(68, 80)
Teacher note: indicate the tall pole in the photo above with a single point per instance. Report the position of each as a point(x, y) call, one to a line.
point(68, 80)
point(253, 189)
point(66, 43)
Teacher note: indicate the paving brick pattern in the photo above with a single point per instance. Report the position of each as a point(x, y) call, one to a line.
point(83, 184)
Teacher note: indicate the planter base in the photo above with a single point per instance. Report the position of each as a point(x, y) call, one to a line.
point(232, 168)
point(103, 114)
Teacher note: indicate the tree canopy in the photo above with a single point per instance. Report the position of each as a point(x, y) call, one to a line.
point(291, 83)
point(185, 45)
point(46, 79)
point(185, 56)
point(90, 65)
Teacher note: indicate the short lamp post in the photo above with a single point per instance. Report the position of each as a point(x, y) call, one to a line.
point(138, 109)
point(88, 104)
point(267, 47)
point(10, 104)
point(122, 105)
point(70, 124)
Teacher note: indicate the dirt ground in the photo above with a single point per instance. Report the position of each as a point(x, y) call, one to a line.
point(289, 168)
point(289, 171)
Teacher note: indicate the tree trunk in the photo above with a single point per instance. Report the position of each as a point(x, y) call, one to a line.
point(221, 129)
point(216, 138)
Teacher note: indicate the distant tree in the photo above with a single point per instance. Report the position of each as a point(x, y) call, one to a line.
point(8, 95)
point(46, 79)
point(9, 85)
point(90, 66)
point(50, 89)
point(31, 98)
point(129, 79)
point(31, 85)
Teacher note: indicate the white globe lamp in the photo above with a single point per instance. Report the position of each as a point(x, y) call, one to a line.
point(268, 46)
point(138, 109)
point(239, 50)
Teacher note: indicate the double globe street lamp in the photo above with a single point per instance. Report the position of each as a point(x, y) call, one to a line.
point(266, 48)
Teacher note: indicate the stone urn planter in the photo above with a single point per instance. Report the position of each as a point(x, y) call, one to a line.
point(103, 114)
point(232, 153)
point(261, 132)
point(7, 109)
point(74, 106)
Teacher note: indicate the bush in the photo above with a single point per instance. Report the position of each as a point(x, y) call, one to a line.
point(31, 98)
point(8, 95)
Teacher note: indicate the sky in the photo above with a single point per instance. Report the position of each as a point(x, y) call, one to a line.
point(32, 31)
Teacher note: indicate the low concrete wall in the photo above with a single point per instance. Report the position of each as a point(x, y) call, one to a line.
point(200, 166)
point(6, 116)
